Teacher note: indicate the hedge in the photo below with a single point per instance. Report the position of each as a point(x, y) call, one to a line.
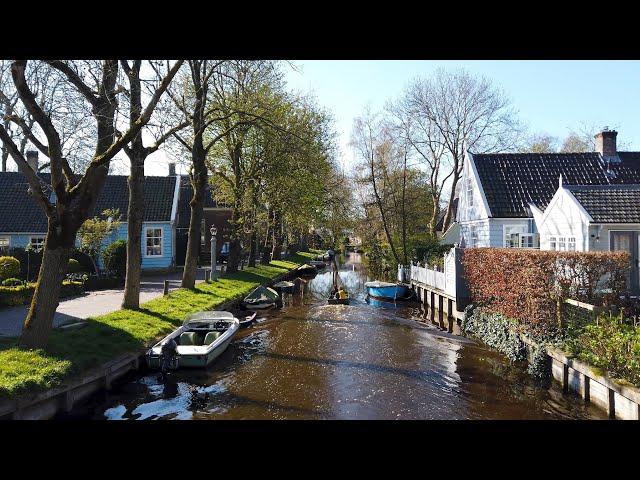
point(22, 294)
point(526, 285)
point(9, 267)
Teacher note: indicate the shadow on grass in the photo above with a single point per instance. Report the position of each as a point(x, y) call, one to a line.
point(125, 331)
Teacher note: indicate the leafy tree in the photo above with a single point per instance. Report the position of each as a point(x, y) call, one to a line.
point(88, 97)
point(94, 231)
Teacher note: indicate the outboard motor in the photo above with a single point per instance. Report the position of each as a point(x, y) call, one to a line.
point(168, 352)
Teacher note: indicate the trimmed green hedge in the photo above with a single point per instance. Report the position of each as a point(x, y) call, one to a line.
point(9, 267)
point(22, 294)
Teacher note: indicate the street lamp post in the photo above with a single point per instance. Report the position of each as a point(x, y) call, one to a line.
point(213, 231)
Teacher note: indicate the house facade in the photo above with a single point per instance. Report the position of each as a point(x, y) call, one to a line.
point(552, 201)
point(22, 222)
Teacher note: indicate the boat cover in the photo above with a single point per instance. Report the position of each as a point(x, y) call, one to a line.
point(262, 295)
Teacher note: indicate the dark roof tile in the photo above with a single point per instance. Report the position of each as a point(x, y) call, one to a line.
point(19, 212)
point(511, 181)
point(609, 203)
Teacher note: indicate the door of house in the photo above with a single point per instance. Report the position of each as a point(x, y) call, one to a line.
point(629, 241)
point(182, 235)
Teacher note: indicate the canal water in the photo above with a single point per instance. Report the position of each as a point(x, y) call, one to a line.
point(367, 360)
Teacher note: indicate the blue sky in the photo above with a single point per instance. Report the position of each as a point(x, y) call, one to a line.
point(551, 97)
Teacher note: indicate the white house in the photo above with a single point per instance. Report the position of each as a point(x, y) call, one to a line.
point(560, 201)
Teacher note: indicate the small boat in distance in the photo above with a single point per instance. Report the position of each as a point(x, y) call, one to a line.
point(284, 286)
point(318, 264)
point(338, 301)
point(198, 342)
point(387, 290)
point(306, 270)
point(262, 298)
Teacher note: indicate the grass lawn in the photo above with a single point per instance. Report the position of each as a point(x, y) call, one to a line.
point(108, 336)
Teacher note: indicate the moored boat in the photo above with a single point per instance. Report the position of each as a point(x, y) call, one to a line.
point(306, 270)
point(245, 317)
point(318, 264)
point(198, 342)
point(262, 298)
point(284, 286)
point(387, 290)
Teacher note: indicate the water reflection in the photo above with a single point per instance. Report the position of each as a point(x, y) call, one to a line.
point(367, 360)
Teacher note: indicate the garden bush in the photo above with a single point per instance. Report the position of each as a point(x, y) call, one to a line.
point(115, 258)
point(12, 282)
point(9, 267)
point(29, 262)
point(74, 266)
point(22, 294)
point(611, 343)
point(526, 284)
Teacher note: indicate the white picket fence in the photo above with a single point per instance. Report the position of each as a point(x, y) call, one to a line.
point(445, 281)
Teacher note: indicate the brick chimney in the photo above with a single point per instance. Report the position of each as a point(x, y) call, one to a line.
point(172, 169)
point(606, 142)
point(32, 159)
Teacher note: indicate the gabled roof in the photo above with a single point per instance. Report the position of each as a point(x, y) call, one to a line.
point(186, 193)
point(609, 203)
point(19, 212)
point(511, 181)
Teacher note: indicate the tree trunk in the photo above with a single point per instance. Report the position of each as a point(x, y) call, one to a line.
point(55, 260)
point(193, 242)
point(448, 217)
point(135, 217)
point(277, 236)
point(253, 248)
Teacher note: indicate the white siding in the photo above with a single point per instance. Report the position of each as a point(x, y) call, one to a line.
point(564, 218)
point(470, 210)
point(601, 244)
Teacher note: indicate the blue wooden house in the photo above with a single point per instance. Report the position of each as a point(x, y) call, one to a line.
point(166, 217)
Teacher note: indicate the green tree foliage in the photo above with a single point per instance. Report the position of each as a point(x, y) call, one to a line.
point(95, 231)
point(115, 258)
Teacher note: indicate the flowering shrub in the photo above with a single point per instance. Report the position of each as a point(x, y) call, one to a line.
point(526, 285)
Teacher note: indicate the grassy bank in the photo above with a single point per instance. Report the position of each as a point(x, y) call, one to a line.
point(105, 337)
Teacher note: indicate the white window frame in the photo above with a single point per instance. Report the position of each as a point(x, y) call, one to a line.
point(553, 242)
point(531, 236)
point(40, 243)
point(469, 190)
point(146, 238)
point(8, 239)
point(571, 244)
point(523, 230)
point(473, 236)
point(562, 244)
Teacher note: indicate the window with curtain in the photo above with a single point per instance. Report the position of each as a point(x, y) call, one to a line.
point(154, 242)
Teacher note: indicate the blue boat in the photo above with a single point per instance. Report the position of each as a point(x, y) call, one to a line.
point(388, 291)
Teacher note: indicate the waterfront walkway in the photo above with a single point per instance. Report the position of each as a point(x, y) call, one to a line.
point(91, 304)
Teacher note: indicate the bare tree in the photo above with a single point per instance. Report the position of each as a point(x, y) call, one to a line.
point(75, 195)
point(452, 112)
point(162, 126)
point(192, 96)
point(541, 143)
point(368, 138)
